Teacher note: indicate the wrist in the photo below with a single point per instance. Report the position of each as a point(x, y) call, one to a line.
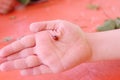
point(92, 44)
point(98, 46)
point(104, 45)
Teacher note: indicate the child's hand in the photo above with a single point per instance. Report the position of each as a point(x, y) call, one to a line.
point(56, 46)
point(6, 6)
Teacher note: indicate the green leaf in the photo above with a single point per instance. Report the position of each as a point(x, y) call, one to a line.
point(7, 39)
point(25, 2)
point(117, 21)
point(12, 17)
point(93, 7)
point(108, 25)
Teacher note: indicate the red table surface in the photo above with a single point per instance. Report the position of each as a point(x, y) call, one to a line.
point(16, 24)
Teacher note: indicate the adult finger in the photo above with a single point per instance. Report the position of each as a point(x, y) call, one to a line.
point(25, 42)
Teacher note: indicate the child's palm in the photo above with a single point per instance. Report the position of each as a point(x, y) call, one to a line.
point(57, 46)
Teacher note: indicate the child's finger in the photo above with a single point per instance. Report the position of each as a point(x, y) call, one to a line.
point(30, 61)
point(3, 60)
point(22, 54)
point(6, 6)
point(28, 72)
point(46, 25)
point(8, 2)
point(3, 11)
point(42, 69)
point(25, 42)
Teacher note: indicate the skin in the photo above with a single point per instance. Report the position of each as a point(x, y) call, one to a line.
point(41, 53)
point(6, 6)
point(105, 45)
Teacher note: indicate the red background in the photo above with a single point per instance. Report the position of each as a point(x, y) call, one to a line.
point(75, 11)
